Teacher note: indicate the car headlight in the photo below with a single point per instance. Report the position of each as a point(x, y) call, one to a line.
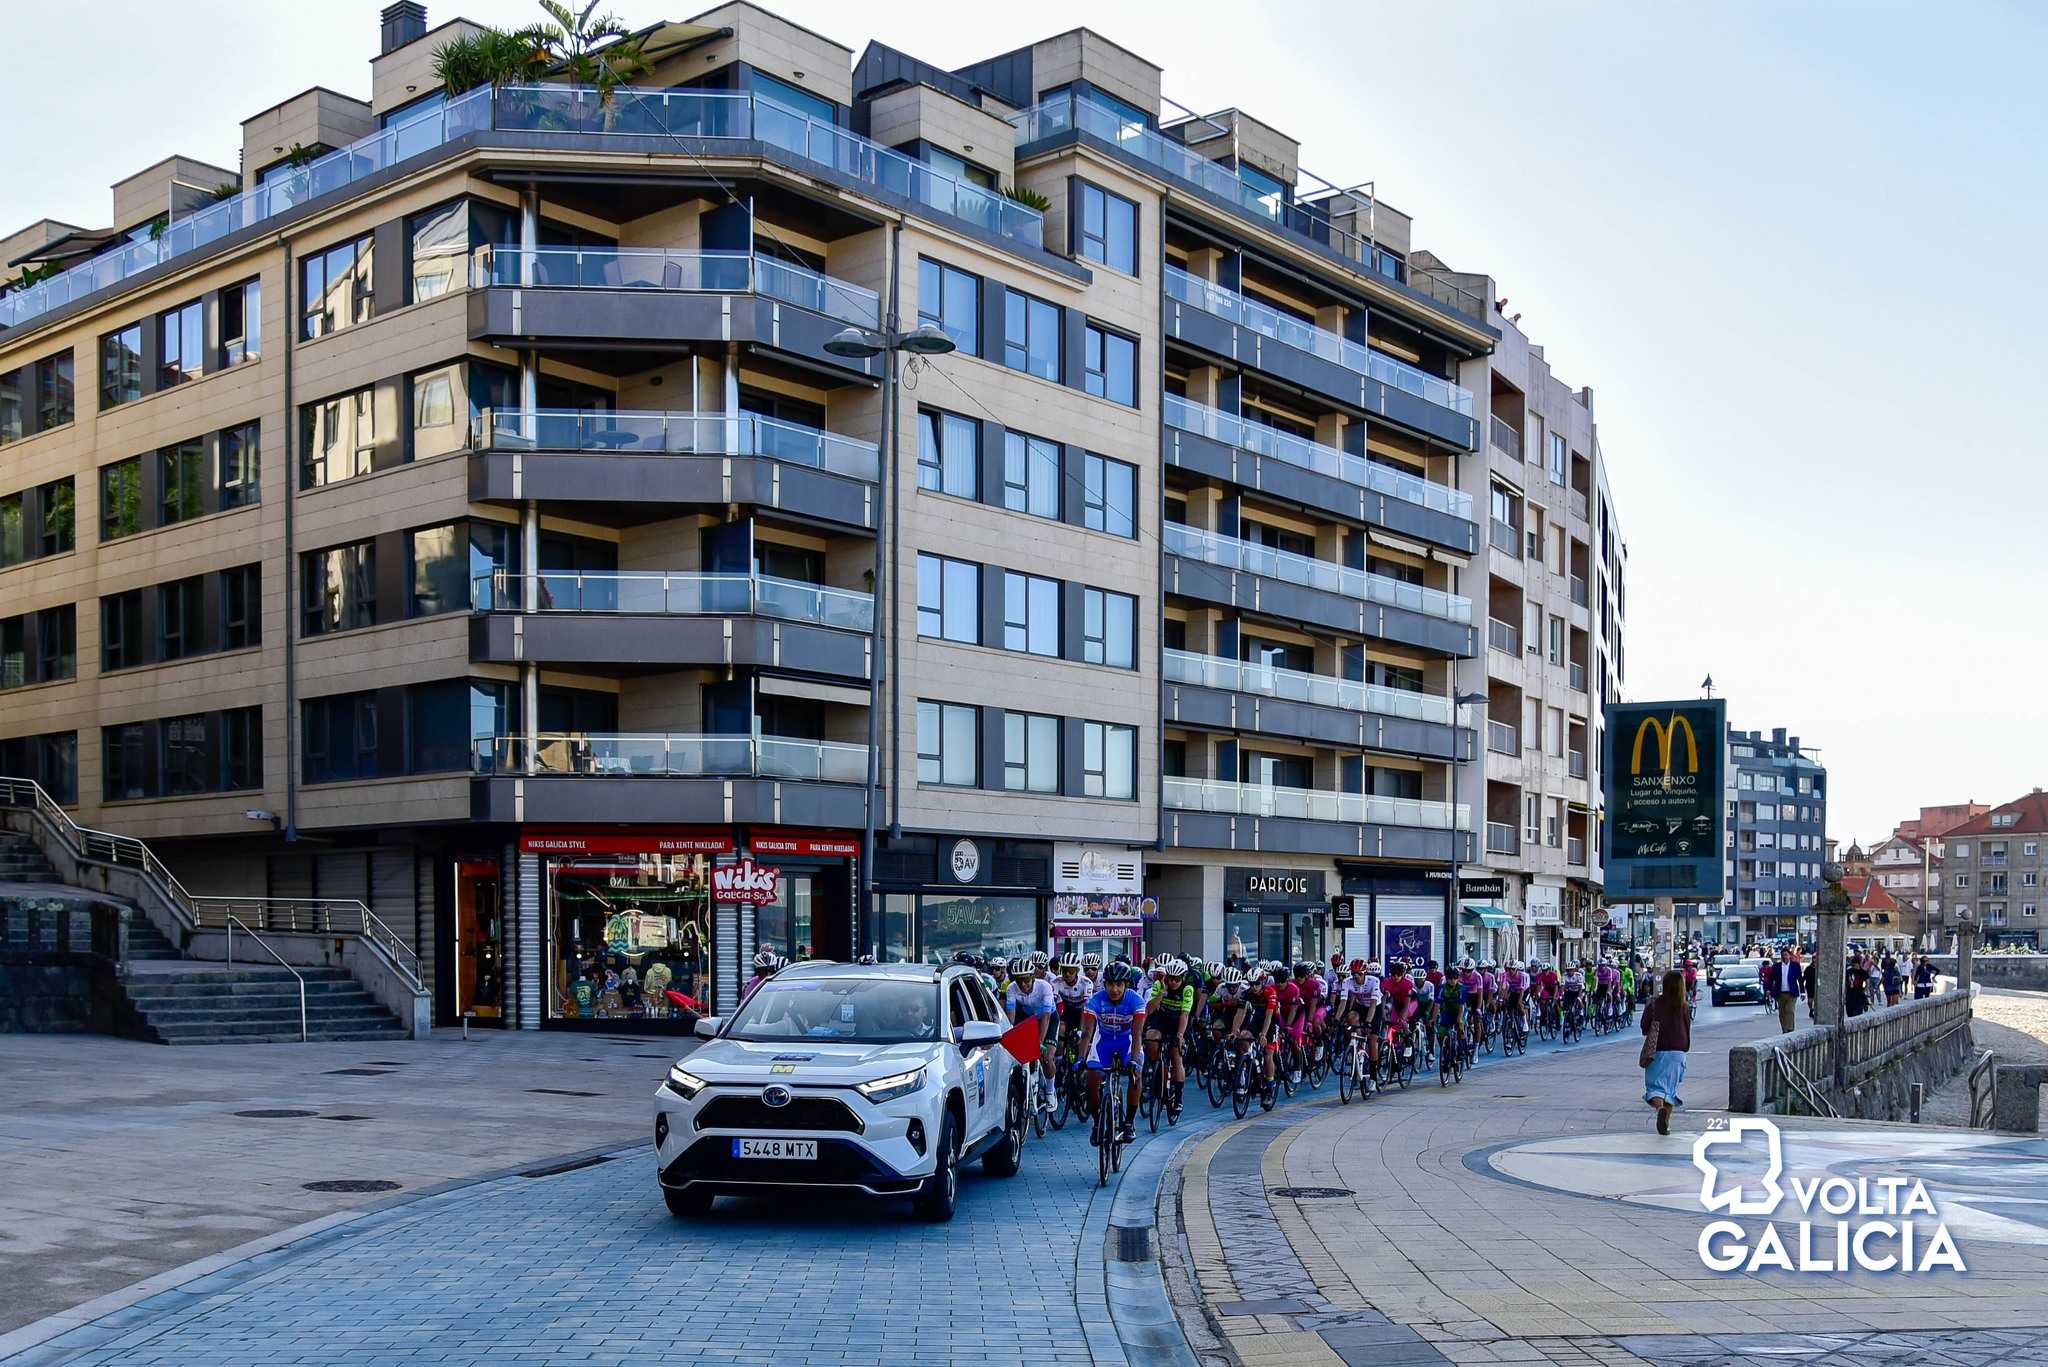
point(684, 1085)
point(891, 1087)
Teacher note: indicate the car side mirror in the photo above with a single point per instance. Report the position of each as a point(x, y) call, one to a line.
point(976, 1034)
point(707, 1027)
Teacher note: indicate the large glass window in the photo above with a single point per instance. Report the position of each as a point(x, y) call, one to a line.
point(796, 98)
point(1031, 613)
point(1108, 229)
point(337, 287)
point(948, 736)
point(626, 930)
point(14, 399)
point(51, 760)
point(1109, 630)
point(121, 366)
point(339, 737)
point(126, 764)
point(1031, 335)
point(13, 530)
point(1031, 475)
point(121, 498)
point(440, 247)
point(121, 643)
point(241, 607)
point(181, 618)
point(1109, 760)
point(987, 925)
point(59, 503)
point(181, 337)
point(1031, 752)
point(950, 300)
point(339, 588)
point(1110, 496)
point(241, 749)
point(440, 416)
point(1110, 365)
point(948, 453)
point(948, 599)
point(181, 472)
point(14, 662)
point(241, 322)
point(337, 438)
point(241, 466)
point(184, 761)
point(440, 570)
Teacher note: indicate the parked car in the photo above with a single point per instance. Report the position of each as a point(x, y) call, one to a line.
point(877, 1078)
point(1741, 980)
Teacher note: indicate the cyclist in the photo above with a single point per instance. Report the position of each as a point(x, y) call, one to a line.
point(1692, 980)
point(1288, 994)
point(1607, 987)
point(999, 975)
point(1547, 988)
point(1471, 1001)
point(765, 964)
point(1315, 1002)
point(1168, 1011)
point(1108, 1023)
point(1031, 997)
point(1628, 988)
point(1256, 1022)
point(1514, 986)
point(1363, 1003)
point(1450, 1011)
point(1403, 1000)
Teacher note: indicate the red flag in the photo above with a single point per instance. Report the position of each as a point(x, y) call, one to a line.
point(1022, 1040)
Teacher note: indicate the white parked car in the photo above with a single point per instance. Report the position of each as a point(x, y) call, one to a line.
point(880, 1078)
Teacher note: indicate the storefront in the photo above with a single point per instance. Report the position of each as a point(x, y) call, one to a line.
point(474, 987)
point(644, 930)
point(1275, 914)
point(1099, 904)
point(1543, 910)
point(1398, 911)
point(941, 894)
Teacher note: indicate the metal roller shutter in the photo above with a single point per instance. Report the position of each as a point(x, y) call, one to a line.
point(344, 873)
point(1390, 909)
point(291, 875)
point(532, 980)
point(391, 892)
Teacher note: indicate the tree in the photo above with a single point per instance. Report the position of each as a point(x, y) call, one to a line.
point(594, 50)
point(492, 56)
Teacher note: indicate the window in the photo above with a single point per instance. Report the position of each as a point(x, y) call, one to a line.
point(948, 453)
point(181, 337)
point(56, 644)
point(2031, 848)
point(1532, 817)
point(1031, 613)
point(121, 643)
point(439, 423)
point(241, 749)
point(51, 760)
point(337, 288)
point(181, 618)
point(241, 607)
point(181, 475)
point(1031, 335)
point(125, 762)
point(1109, 760)
point(795, 98)
point(1108, 229)
point(241, 479)
point(241, 322)
point(440, 571)
point(1031, 475)
point(337, 439)
point(440, 244)
point(950, 300)
point(947, 736)
point(13, 530)
point(1557, 640)
point(1109, 630)
point(121, 366)
point(1558, 458)
point(959, 168)
point(121, 498)
point(184, 759)
point(56, 392)
point(1110, 365)
point(1110, 496)
point(1962, 880)
point(14, 385)
point(339, 588)
point(948, 599)
point(1031, 753)
point(340, 737)
point(1961, 849)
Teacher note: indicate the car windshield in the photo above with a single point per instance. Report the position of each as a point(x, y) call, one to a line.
point(1746, 969)
point(862, 1010)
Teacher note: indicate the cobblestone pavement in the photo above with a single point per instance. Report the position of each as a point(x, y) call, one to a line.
point(1428, 1252)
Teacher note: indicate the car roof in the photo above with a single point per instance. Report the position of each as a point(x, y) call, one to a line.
point(828, 968)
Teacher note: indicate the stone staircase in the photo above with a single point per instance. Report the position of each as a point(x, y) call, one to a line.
point(187, 1001)
point(22, 862)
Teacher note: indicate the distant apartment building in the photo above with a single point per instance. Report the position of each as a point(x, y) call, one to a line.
point(1992, 871)
point(1910, 869)
point(1777, 823)
point(1936, 822)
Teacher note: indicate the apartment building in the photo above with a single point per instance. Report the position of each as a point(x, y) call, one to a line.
point(1992, 870)
point(1910, 870)
point(1777, 819)
point(610, 537)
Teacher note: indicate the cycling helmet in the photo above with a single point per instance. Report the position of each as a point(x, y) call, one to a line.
point(1230, 977)
point(1373, 967)
point(766, 962)
point(1467, 963)
point(998, 964)
point(1213, 969)
point(968, 957)
point(1118, 973)
point(1336, 960)
point(1170, 967)
point(780, 963)
point(1026, 967)
point(1040, 960)
point(1398, 966)
point(1070, 961)
point(1358, 965)
point(865, 959)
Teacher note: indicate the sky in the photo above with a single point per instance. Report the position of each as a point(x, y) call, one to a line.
point(1788, 245)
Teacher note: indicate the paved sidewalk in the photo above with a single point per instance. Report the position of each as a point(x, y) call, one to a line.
point(1442, 1255)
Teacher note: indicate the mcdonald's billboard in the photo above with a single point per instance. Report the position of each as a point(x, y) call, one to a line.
point(1666, 806)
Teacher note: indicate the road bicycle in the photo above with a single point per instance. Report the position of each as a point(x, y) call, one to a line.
point(1514, 1033)
point(1354, 1069)
point(1398, 1057)
point(1547, 1023)
point(1573, 1020)
point(1073, 1081)
point(1450, 1065)
point(1109, 1120)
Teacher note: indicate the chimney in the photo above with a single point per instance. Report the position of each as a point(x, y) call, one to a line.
point(403, 22)
point(1794, 743)
point(1777, 735)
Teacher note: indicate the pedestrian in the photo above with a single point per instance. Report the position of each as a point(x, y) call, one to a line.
point(1667, 1037)
point(1923, 976)
point(1856, 986)
point(1894, 981)
point(1783, 983)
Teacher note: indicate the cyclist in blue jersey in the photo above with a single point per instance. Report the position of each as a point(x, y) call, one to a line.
point(1109, 1024)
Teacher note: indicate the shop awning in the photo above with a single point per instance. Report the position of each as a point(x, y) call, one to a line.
point(1493, 918)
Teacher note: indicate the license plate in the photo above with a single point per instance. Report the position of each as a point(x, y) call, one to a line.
point(775, 1148)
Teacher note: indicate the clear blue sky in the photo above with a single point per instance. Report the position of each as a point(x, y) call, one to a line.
point(1791, 247)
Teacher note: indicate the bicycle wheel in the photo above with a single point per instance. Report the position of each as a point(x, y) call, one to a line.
point(1346, 1067)
point(1070, 1095)
point(1154, 1098)
point(1103, 1138)
point(1240, 1090)
point(1290, 1059)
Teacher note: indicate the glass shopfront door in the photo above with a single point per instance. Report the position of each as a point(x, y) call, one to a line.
point(479, 942)
point(1251, 932)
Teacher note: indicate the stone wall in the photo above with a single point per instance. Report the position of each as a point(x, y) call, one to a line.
point(2019, 972)
point(1885, 1053)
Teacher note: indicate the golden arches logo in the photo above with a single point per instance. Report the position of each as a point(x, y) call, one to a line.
point(1667, 740)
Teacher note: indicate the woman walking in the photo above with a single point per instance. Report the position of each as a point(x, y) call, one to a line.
point(1894, 981)
point(1667, 1038)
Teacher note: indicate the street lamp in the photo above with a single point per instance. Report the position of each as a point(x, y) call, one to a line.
point(862, 344)
point(1462, 700)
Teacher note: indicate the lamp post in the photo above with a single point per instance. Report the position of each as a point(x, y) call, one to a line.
point(860, 344)
point(1458, 703)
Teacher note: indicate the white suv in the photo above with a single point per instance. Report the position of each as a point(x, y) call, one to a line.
point(880, 1078)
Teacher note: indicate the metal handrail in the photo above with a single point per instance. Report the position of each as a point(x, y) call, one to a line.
point(672, 593)
point(1789, 1072)
point(316, 915)
point(679, 269)
point(233, 921)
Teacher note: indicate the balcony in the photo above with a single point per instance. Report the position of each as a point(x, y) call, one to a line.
point(659, 778)
point(671, 270)
point(1575, 850)
point(1578, 677)
point(676, 594)
point(1504, 636)
point(1502, 838)
point(1313, 804)
point(1575, 763)
point(1503, 537)
point(1578, 590)
point(673, 756)
point(1305, 221)
point(1503, 739)
point(1578, 505)
point(1247, 313)
point(1244, 676)
point(610, 432)
point(1505, 436)
point(1251, 558)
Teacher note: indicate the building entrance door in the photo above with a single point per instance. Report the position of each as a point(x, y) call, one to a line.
point(479, 942)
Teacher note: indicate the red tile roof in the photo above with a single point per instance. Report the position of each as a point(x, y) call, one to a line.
point(2032, 811)
point(1867, 894)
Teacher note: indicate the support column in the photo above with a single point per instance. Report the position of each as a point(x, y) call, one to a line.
point(529, 672)
point(1966, 954)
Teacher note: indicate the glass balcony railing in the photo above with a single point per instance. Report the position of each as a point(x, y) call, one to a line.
point(1575, 763)
point(1313, 804)
point(1503, 636)
point(1502, 838)
point(657, 268)
point(1252, 558)
point(674, 434)
point(1271, 322)
point(1245, 676)
point(1502, 738)
point(1505, 436)
point(664, 593)
point(662, 755)
point(695, 114)
point(1214, 423)
point(1503, 537)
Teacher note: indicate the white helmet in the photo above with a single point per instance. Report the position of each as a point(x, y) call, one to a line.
point(1091, 961)
point(1171, 967)
point(766, 961)
point(1467, 963)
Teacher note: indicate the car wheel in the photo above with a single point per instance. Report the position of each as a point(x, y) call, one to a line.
point(1002, 1160)
point(687, 1204)
point(936, 1199)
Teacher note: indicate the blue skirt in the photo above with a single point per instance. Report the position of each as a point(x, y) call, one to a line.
point(1663, 1077)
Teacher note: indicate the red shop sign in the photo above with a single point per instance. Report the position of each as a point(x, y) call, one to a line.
point(837, 846)
point(746, 881)
point(632, 842)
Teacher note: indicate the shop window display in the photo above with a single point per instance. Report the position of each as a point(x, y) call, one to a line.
point(987, 925)
point(627, 930)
